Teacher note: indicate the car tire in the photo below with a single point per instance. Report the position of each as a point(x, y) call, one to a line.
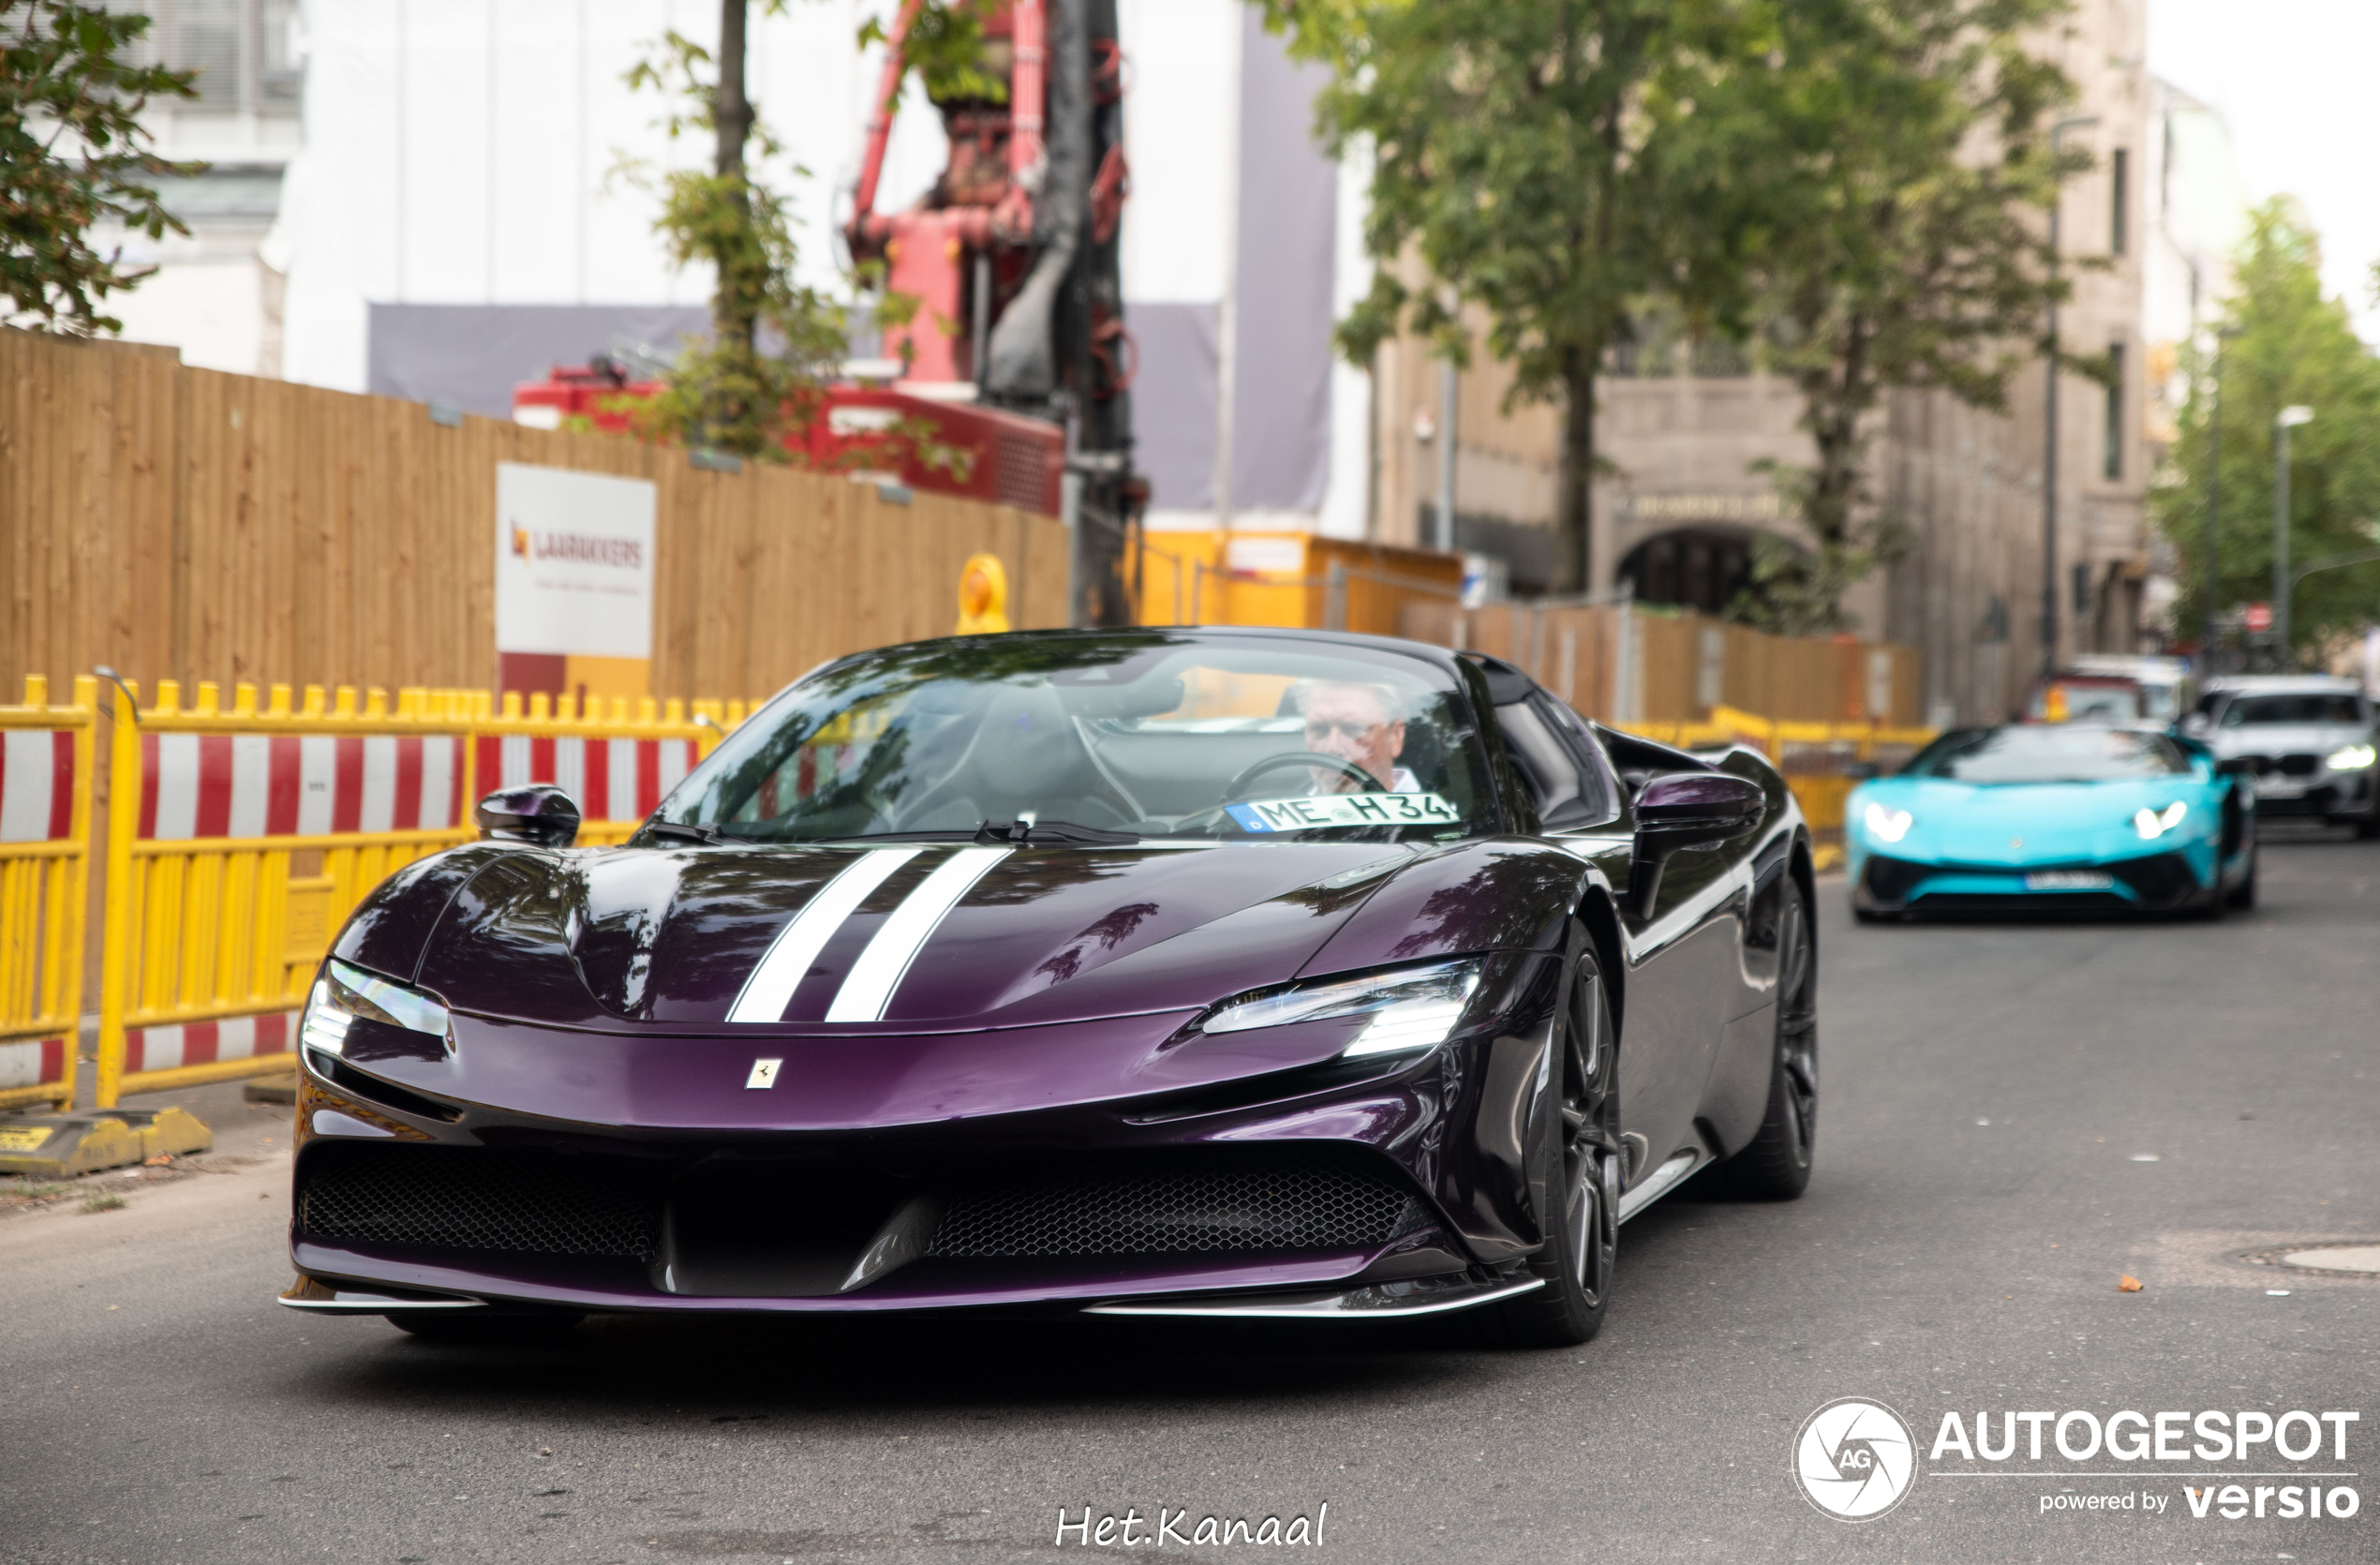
point(1774, 1164)
point(1575, 1162)
point(471, 1326)
point(2368, 828)
point(2243, 896)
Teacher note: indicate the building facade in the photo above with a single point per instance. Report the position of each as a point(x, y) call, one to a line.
point(216, 293)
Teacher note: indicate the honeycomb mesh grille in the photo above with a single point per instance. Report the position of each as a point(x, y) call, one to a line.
point(1284, 1207)
point(525, 1202)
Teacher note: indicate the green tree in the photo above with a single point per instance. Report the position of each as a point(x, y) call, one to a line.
point(2293, 347)
point(773, 340)
point(1514, 170)
point(73, 157)
point(1875, 173)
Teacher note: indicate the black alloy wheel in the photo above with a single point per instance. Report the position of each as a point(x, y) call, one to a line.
point(1774, 1164)
point(1575, 1160)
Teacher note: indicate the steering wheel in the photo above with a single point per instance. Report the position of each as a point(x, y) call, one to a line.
point(1238, 786)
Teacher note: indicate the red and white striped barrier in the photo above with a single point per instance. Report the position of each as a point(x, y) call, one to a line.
point(196, 1043)
point(32, 1061)
point(610, 780)
point(197, 785)
point(37, 787)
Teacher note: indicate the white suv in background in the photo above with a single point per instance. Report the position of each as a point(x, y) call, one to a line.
point(2310, 736)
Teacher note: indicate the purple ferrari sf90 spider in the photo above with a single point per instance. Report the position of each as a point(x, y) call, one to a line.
point(1217, 972)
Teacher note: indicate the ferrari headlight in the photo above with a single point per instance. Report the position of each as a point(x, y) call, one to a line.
point(2355, 757)
point(342, 993)
point(1412, 1009)
point(2154, 823)
point(1886, 824)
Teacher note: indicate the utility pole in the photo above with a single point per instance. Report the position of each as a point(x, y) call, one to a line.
point(2212, 568)
point(1442, 529)
point(2288, 419)
point(2049, 422)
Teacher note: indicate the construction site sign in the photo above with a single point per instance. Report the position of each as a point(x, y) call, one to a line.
point(574, 581)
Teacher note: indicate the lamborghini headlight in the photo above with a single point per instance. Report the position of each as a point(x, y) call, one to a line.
point(1886, 824)
point(342, 993)
point(2355, 757)
point(1412, 1009)
point(2154, 823)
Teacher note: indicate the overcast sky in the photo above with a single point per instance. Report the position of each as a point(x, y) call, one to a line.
point(2294, 79)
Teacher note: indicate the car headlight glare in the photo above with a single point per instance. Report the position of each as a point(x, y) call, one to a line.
point(1886, 824)
point(1412, 1009)
point(344, 993)
point(2354, 757)
point(2154, 823)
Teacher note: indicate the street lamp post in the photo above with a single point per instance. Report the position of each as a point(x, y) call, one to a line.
point(2289, 419)
point(2049, 425)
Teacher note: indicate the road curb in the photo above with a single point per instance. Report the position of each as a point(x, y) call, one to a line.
point(60, 1146)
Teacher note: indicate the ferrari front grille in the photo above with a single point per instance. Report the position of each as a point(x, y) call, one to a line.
point(436, 1198)
point(1283, 1205)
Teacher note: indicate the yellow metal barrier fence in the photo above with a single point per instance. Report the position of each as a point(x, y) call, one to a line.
point(45, 882)
point(239, 841)
point(1821, 761)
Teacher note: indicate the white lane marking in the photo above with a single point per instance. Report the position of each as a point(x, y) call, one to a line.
point(868, 987)
point(780, 971)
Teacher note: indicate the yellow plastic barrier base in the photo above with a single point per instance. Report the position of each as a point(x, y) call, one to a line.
point(59, 1146)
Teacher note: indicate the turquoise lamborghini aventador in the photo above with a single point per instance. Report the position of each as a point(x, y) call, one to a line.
point(2073, 818)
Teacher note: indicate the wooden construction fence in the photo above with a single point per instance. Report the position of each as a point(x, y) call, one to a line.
point(1682, 667)
point(178, 523)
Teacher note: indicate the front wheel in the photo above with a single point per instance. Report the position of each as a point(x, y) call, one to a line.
point(1775, 1165)
point(1575, 1163)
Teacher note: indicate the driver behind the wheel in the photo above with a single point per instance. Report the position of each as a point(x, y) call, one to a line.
point(1359, 723)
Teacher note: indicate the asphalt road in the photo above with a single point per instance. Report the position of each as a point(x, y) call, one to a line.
point(1991, 1095)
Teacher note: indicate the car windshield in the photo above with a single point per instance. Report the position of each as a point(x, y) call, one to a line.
point(2328, 708)
point(2062, 753)
point(1134, 734)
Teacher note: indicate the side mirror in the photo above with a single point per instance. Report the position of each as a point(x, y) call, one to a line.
point(1684, 810)
point(541, 816)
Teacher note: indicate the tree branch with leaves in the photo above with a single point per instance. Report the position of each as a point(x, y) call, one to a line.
point(74, 157)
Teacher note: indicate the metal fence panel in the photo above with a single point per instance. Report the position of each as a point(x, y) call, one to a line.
point(45, 877)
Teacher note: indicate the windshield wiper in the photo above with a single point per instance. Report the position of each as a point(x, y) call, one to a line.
point(995, 834)
point(688, 831)
point(1029, 830)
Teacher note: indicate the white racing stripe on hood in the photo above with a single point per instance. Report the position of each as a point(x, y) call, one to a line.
point(782, 968)
point(868, 987)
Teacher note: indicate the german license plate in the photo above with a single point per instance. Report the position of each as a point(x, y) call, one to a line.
point(2069, 880)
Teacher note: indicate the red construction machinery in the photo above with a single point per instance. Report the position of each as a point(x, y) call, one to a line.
point(1017, 348)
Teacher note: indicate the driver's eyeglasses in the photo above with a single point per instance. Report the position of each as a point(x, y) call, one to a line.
point(1345, 730)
